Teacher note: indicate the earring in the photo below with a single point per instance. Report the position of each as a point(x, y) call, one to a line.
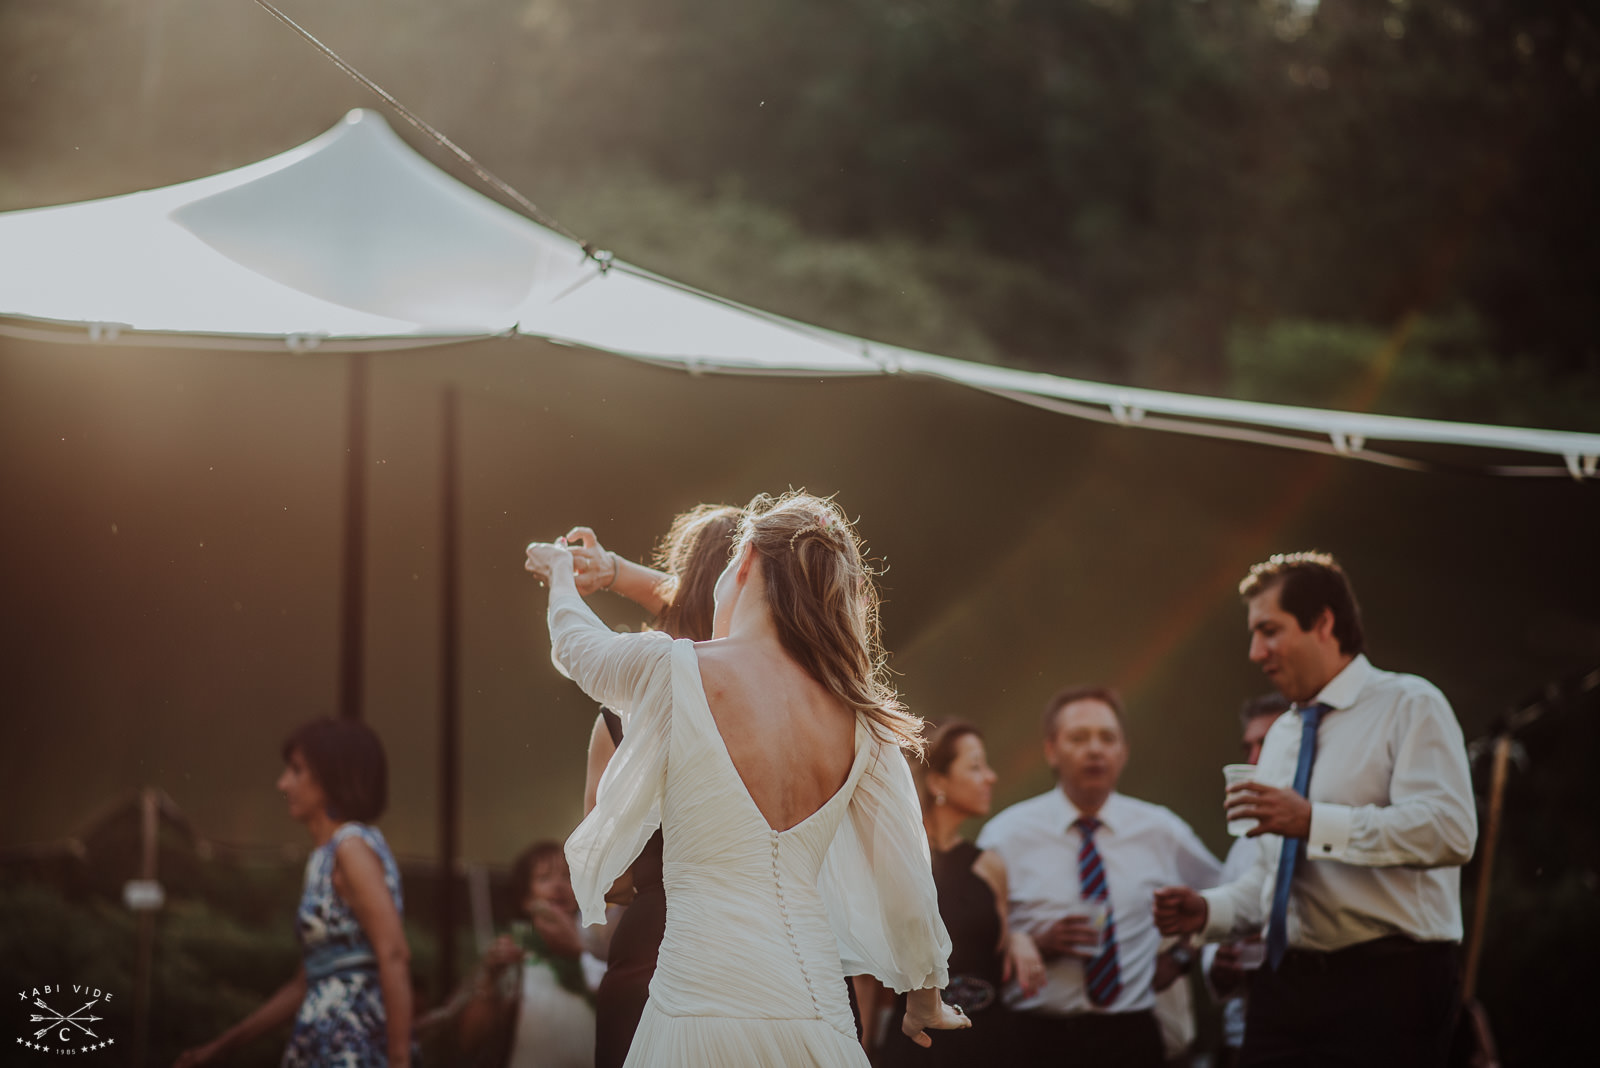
point(938, 798)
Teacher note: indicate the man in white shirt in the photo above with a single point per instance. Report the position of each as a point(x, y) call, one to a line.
point(1082, 862)
point(1365, 782)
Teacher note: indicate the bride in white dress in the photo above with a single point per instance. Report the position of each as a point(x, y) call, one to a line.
point(770, 756)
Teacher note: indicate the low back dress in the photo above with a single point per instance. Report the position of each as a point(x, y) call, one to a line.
point(762, 924)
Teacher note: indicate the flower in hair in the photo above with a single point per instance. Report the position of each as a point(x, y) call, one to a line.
point(828, 522)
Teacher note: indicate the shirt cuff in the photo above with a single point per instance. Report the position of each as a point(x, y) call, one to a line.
point(1330, 831)
point(1219, 916)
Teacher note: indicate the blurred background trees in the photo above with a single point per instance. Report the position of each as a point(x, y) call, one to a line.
point(1131, 190)
point(1366, 204)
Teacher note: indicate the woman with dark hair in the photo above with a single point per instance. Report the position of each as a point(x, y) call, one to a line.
point(351, 1000)
point(770, 757)
point(678, 591)
point(958, 786)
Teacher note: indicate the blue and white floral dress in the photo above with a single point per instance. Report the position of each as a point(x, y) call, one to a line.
point(341, 1022)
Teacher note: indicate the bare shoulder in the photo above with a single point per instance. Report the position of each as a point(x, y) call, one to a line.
point(355, 850)
point(355, 865)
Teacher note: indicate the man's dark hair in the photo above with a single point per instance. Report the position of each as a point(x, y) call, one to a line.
point(1062, 698)
point(1307, 583)
point(346, 758)
point(1268, 704)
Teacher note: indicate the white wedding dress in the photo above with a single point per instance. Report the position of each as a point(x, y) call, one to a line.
point(762, 925)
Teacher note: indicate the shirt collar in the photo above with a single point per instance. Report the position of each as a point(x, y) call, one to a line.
point(1344, 688)
point(1070, 814)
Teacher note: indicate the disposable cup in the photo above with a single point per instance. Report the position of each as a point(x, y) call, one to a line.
point(1098, 913)
point(1232, 775)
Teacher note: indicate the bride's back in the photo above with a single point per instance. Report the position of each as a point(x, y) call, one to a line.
point(790, 739)
point(795, 659)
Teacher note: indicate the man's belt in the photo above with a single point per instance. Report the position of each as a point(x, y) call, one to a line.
point(1371, 950)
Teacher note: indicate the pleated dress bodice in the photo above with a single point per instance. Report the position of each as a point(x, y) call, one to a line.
point(762, 925)
point(743, 894)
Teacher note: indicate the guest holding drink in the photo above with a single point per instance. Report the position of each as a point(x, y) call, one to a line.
point(1083, 862)
point(1365, 785)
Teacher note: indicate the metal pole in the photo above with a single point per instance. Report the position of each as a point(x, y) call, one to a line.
point(149, 829)
point(449, 719)
point(1480, 909)
point(353, 600)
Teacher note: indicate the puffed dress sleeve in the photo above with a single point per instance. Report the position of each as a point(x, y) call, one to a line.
point(632, 674)
point(877, 882)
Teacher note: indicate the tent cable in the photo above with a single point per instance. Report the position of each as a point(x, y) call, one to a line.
point(602, 258)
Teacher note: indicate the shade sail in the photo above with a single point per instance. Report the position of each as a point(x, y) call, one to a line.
point(353, 241)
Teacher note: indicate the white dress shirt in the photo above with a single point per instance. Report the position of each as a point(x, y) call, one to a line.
point(1143, 847)
point(1242, 856)
point(1392, 819)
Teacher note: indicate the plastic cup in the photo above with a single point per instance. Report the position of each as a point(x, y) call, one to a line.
point(1232, 775)
point(1098, 913)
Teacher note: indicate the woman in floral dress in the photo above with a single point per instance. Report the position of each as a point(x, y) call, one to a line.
point(351, 1000)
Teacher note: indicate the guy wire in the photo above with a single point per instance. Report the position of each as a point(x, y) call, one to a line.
point(422, 124)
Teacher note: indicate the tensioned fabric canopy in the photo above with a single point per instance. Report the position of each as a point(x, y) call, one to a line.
point(353, 241)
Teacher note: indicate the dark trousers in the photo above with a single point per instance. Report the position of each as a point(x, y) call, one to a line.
point(1391, 1001)
point(1088, 1040)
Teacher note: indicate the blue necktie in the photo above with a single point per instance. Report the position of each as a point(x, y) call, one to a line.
point(1102, 976)
point(1278, 926)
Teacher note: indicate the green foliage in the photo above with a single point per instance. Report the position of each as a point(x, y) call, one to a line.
point(1095, 187)
point(1544, 916)
point(1439, 367)
point(207, 971)
point(219, 952)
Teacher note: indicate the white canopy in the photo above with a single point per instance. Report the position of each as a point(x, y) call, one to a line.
point(352, 241)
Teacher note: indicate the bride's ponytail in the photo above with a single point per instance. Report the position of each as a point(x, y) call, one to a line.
point(825, 604)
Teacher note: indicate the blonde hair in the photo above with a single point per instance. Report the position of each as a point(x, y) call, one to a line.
point(824, 602)
point(693, 553)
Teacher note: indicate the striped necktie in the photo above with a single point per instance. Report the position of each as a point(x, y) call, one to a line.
point(1278, 925)
point(1102, 976)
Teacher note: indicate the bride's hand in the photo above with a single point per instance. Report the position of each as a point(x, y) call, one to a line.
point(546, 559)
point(926, 1011)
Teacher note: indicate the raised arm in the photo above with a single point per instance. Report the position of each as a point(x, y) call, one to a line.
point(598, 568)
point(614, 669)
